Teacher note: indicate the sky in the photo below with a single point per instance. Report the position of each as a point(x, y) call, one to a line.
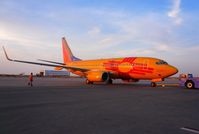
point(165, 29)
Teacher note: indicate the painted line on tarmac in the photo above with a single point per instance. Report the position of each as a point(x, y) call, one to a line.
point(193, 130)
point(170, 85)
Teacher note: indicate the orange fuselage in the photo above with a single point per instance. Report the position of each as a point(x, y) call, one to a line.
point(127, 68)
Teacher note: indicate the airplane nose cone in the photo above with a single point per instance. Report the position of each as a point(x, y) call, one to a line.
point(174, 70)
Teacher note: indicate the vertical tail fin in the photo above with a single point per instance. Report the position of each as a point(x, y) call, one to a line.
point(67, 53)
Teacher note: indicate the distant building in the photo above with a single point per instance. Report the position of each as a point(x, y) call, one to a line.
point(56, 73)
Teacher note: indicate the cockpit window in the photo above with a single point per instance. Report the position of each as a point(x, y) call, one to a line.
point(161, 62)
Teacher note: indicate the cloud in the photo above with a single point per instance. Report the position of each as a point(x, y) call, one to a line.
point(94, 31)
point(175, 12)
point(162, 48)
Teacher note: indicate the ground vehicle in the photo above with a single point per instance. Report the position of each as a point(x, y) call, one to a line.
point(189, 81)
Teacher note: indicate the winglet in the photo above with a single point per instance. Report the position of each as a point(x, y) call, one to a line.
point(6, 55)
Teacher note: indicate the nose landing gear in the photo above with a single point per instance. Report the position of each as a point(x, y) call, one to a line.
point(153, 84)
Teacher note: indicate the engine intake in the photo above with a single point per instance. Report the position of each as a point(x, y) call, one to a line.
point(97, 76)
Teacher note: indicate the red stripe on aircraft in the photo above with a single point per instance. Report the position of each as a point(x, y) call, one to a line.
point(144, 68)
point(150, 68)
point(138, 73)
point(146, 71)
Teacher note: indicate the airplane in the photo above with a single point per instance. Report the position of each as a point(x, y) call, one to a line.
point(130, 69)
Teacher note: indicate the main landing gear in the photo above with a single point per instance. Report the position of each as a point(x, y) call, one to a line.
point(109, 81)
point(153, 84)
point(88, 82)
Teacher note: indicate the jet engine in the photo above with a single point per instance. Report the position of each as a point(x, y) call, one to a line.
point(97, 76)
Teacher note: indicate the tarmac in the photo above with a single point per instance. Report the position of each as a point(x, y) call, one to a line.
point(69, 106)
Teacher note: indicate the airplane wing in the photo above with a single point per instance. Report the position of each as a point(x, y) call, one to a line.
point(44, 64)
point(52, 62)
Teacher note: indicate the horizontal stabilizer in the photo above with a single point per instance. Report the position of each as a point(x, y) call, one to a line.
point(58, 68)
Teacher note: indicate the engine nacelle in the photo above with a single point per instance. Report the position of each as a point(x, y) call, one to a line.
point(97, 76)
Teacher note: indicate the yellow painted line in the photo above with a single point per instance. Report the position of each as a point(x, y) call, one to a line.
point(163, 85)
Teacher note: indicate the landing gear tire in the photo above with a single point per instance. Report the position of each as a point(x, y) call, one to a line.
point(153, 84)
point(189, 84)
point(110, 81)
point(88, 82)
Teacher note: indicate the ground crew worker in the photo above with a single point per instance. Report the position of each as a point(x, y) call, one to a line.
point(30, 79)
